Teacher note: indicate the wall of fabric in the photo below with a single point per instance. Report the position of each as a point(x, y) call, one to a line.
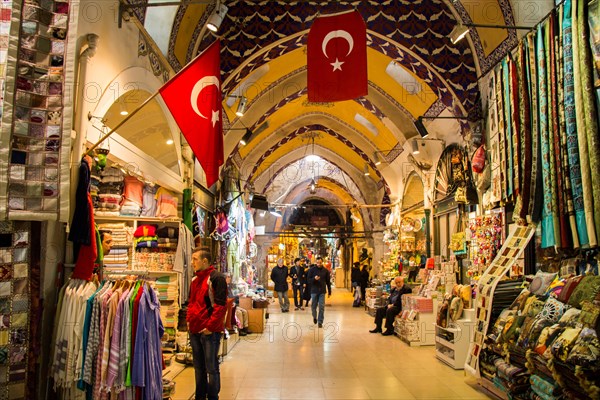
point(36, 167)
point(16, 284)
point(544, 136)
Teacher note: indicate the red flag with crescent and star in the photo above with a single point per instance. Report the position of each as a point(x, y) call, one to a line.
point(194, 98)
point(337, 58)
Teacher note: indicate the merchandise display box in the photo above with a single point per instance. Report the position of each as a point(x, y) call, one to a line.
point(246, 303)
point(257, 320)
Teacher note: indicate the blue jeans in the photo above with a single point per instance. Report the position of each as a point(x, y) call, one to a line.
point(318, 299)
point(284, 301)
point(205, 349)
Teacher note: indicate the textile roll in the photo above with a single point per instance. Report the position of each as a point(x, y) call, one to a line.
point(580, 116)
point(589, 107)
point(571, 126)
point(548, 239)
point(524, 109)
point(566, 178)
point(561, 212)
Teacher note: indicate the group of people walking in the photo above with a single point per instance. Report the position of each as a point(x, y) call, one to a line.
point(309, 284)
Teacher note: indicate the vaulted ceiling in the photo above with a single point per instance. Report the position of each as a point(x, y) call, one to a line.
point(414, 70)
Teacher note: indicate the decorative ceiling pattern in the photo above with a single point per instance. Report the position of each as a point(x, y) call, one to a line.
point(320, 128)
point(301, 171)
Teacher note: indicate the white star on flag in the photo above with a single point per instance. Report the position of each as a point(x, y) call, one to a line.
point(215, 117)
point(337, 64)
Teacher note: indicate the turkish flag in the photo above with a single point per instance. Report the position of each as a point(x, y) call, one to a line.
point(194, 98)
point(337, 58)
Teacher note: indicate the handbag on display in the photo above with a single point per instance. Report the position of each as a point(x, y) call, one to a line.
point(478, 161)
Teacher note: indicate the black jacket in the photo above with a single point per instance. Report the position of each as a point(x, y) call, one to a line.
point(324, 282)
point(356, 276)
point(297, 274)
point(81, 225)
point(364, 274)
point(279, 277)
point(398, 301)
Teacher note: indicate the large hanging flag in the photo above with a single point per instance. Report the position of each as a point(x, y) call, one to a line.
point(337, 58)
point(194, 98)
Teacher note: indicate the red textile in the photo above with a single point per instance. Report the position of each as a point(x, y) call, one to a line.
point(194, 99)
point(84, 266)
point(337, 58)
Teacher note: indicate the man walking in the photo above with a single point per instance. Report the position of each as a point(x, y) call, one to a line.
point(279, 276)
point(297, 275)
point(320, 281)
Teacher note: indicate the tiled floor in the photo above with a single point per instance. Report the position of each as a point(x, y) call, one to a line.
point(293, 359)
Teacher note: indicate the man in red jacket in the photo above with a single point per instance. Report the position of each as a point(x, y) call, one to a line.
point(206, 320)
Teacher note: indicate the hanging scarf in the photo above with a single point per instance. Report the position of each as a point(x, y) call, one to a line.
point(580, 116)
point(589, 106)
point(501, 133)
point(524, 116)
point(547, 215)
point(516, 129)
point(536, 200)
point(571, 125)
point(506, 80)
point(560, 209)
point(568, 192)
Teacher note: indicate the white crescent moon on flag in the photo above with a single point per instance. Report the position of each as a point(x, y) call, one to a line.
point(201, 84)
point(335, 34)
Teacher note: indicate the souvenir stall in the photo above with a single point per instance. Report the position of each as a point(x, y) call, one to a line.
point(538, 337)
point(454, 193)
point(484, 235)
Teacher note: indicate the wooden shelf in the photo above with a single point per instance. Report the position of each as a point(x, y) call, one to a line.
point(125, 218)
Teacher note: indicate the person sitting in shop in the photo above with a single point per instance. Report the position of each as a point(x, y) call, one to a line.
point(392, 308)
point(239, 315)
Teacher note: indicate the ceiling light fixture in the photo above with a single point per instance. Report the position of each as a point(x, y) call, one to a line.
point(215, 20)
point(241, 108)
point(274, 212)
point(459, 32)
point(313, 186)
point(246, 138)
point(123, 109)
point(415, 147)
point(461, 29)
point(377, 158)
point(169, 141)
point(366, 170)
